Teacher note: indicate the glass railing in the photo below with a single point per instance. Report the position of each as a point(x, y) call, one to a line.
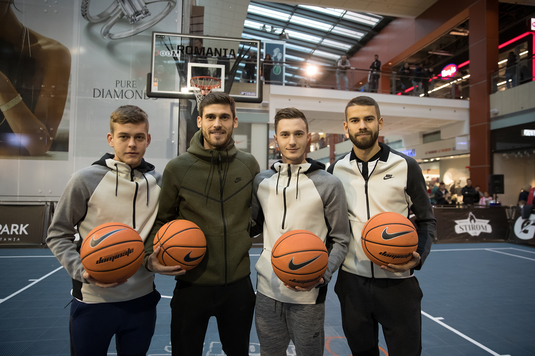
point(361, 80)
point(510, 76)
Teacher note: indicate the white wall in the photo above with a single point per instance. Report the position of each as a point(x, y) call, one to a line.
point(518, 171)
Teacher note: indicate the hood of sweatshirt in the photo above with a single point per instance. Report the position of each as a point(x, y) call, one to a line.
point(215, 155)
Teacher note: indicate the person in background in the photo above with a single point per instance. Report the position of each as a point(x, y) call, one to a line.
point(510, 72)
point(479, 195)
point(469, 193)
point(417, 77)
point(405, 73)
point(250, 67)
point(266, 69)
point(375, 70)
point(486, 199)
point(341, 72)
point(524, 194)
point(442, 196)
point(426, 77)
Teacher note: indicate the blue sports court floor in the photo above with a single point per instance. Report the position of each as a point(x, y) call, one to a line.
point(479, 299)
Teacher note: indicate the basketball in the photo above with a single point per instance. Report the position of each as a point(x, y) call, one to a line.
point(389, 238)
point(182, 243)
point(299, 258)
point(112, 252)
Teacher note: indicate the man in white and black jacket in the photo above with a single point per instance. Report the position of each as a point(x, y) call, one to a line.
point(377, 179)
point(295, 194)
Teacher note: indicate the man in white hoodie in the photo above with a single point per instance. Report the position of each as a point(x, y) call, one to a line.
point(295, 194)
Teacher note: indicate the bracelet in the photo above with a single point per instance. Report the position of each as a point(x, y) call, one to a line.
point(11, 103)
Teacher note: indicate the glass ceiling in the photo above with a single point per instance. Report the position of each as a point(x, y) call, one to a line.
point(316, 34)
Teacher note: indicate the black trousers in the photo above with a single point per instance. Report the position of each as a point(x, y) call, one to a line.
point(193, 306)
point(393, 303)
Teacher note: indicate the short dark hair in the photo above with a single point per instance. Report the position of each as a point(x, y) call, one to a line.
point(289, 113)
point(129, 114)
point(442, 183)
point(364, 101)
point(218, 97)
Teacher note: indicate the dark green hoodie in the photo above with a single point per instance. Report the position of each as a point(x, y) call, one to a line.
point(211, 188)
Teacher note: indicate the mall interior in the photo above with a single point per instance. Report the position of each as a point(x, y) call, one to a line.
point(468, 113)
point(456, 90)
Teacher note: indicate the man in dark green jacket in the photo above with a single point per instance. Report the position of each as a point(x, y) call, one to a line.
point(211, 185)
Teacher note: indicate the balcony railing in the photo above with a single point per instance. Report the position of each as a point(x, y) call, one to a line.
point(291, 73)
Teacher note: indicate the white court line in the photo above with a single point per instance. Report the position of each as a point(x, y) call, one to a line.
point(473, 249)
point(438, 321)
point(29, 285)
point(517, 249)
point(491, 250)
point(25, 256)
point(510, 254)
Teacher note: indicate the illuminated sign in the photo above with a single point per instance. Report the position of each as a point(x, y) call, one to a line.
point(410, 153)
point(448, 71)
point(527, 132)
point(532, 24)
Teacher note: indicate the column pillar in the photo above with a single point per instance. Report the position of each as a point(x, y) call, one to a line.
point(483, 46)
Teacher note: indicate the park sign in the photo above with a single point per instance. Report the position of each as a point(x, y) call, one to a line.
point(448, 71)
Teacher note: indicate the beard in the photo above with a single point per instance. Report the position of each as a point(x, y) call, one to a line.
point(362, 143)
point(220, 142)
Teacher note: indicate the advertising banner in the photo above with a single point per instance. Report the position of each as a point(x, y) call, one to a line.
point(277, 51)
point(471, 224)
point(22, 225)
point(523, 230)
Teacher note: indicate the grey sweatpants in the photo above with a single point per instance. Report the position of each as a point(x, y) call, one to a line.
point(277, 323)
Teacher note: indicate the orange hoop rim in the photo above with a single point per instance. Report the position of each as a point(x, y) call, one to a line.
point(203, 87)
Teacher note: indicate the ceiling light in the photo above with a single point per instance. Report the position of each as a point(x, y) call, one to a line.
point(441, 53)
point(311, 70)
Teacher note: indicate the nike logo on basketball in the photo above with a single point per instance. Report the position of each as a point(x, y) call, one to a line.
point(188, 257)
point(295, 267)
point(388, 176)
point(94, 242)
point(386, 236)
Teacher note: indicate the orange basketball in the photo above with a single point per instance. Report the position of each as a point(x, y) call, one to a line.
point(389, 238)
point(183, 243)
point(299, 258)
point(112, 252)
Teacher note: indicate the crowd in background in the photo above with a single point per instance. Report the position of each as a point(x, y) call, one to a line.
point(468, 195)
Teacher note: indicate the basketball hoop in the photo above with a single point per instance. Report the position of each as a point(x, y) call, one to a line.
point(203, 85)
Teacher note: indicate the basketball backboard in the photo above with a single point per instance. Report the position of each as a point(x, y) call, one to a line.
point(177, 58)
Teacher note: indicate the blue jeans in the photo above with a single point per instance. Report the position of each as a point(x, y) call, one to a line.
point(341, 75)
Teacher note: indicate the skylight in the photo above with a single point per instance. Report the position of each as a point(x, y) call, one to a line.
point(361, 18)
point(263, 11)
point(347, 32)
point(310, 23)
point(329, 11)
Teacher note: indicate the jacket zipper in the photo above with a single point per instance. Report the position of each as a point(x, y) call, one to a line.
point(284, 195)
point(368, 205)
point(134, 202)
point(224, 223)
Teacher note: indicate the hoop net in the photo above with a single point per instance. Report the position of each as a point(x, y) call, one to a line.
point(203, 85)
